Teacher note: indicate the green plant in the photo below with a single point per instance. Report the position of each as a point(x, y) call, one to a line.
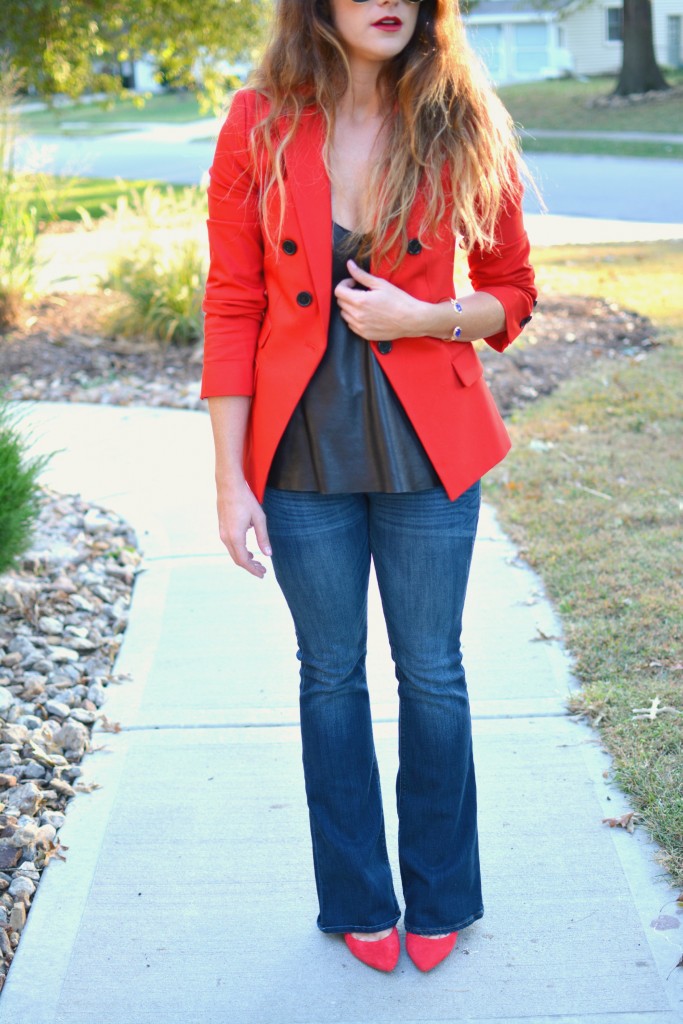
point(18, 214)
point(156, 206)
point(19, 490)
point(162, 294)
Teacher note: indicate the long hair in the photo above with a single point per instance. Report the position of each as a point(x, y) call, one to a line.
point(444, 125)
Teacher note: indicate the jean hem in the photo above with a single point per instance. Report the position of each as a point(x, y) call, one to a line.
point(331, 929)
point(446, 928)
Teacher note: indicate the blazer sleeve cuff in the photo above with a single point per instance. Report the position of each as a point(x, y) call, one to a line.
point(227, 377)
point(518, 306)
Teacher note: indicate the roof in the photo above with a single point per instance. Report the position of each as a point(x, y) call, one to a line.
point(501, 7)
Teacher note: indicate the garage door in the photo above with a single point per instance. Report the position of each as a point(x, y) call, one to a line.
point(531, 49)
point(487, 41)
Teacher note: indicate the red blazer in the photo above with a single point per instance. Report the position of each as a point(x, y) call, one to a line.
point(267, 308)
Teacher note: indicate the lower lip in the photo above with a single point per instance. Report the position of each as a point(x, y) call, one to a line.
point(388, 28)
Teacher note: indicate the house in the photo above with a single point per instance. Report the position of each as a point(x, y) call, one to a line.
point(519, 42)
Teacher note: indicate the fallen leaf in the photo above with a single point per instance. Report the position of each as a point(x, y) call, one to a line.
point(591, 490)
point(625, 821)
point(55, 850)
point(654, 710)
point(543, 636)
point(108, 726)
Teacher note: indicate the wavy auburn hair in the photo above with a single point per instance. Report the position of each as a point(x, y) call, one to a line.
point(442, 117)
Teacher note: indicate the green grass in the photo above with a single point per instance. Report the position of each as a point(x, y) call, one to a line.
point(641, 276)
point(172, 108)
point(597, 511)
point(60, 198)
point(561, 104)
point(604, 147)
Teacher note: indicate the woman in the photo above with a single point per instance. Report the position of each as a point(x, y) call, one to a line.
point(351, 421)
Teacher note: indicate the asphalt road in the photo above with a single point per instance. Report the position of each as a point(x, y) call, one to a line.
point(620, 188)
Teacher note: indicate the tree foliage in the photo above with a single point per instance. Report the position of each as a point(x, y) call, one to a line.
point(68, 46)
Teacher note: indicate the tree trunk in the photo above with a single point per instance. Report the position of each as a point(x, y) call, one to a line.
point(639, 70)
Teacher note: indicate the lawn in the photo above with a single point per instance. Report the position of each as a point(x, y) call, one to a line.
point(95, 118)
point(560, 104)
point(604, 147)
point(59, 198)
point(592, 491)
point(642, 276)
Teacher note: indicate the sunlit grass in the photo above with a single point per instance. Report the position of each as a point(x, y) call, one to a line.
point(60, 198)
point(561, 104)
point(598, 511)
point(642, 276)
point(173, 108)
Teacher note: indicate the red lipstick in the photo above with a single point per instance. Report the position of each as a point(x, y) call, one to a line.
point(390, 23)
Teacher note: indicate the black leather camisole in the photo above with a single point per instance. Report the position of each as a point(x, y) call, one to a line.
point(349, 432)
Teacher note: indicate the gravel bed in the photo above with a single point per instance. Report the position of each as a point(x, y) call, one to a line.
point(63, 612)
point(58, 355)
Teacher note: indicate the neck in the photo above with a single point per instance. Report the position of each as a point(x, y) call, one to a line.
point(362, 100)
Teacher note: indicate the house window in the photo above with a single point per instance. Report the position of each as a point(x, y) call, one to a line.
point(615, 24)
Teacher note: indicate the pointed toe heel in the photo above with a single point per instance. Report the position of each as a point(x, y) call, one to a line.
point(426, 953)
point(381, 954)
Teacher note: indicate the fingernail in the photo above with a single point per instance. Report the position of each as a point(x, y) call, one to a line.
point(267, 551)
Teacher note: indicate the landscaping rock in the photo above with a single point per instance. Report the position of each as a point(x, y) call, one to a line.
point(62, 614)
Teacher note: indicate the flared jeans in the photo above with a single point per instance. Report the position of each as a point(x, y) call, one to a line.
point(421, 544)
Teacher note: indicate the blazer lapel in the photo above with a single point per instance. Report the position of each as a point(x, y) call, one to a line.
point(310, 188)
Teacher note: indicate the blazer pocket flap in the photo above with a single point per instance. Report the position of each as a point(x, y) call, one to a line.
point(466, 362)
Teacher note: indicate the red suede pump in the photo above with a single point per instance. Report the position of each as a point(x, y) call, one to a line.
point(382, 954)
point(427, 953)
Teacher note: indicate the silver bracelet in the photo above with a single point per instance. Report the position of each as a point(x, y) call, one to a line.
point(457, 330)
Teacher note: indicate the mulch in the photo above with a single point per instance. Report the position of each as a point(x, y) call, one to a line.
point(62, 350)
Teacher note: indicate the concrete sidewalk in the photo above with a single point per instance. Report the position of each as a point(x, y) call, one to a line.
point(74, 262)
point(560, 133)
point(187, 893)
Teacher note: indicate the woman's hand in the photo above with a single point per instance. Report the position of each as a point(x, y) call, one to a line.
point(238, 509)
point(382, 313)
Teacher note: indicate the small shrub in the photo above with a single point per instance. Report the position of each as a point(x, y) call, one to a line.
point(163, 294)
point(19, 491)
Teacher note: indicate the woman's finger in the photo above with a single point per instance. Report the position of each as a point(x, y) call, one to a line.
point(241, 556)
point(261, 531)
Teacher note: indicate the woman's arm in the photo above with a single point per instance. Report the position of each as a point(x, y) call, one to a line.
point(234, 305)
point(234, 301)
point(238, 509)
point(497, 310)
point(385, 312)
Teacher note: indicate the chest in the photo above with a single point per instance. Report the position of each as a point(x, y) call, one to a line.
point(353, 149)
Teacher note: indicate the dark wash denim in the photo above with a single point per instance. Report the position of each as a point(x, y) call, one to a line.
point(421, 544)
